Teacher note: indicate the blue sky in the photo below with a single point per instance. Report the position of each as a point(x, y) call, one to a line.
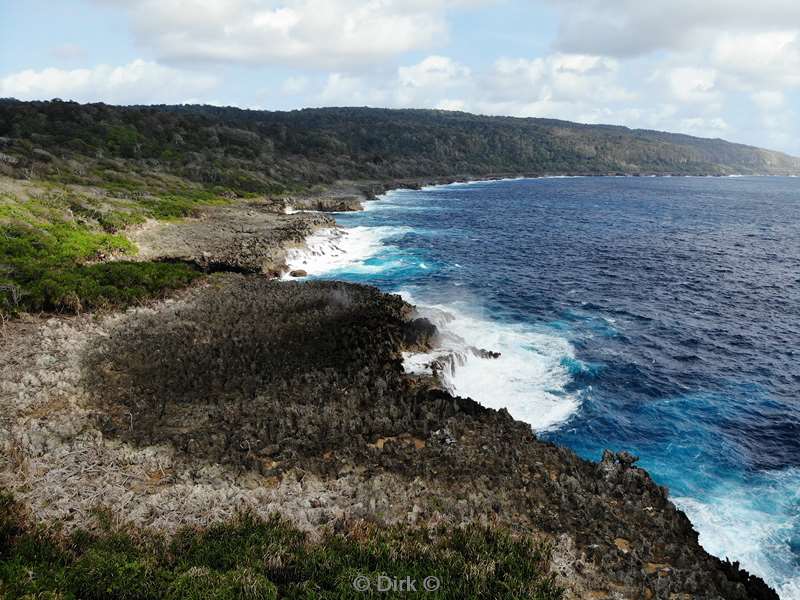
point(720, 68)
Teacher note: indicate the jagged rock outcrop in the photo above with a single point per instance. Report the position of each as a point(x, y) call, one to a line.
point(244, 237)
point(273, 377)
point(335, 198)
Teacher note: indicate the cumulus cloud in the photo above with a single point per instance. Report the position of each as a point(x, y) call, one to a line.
point(726, 67)
point(765, 58)
point(347, 90)
point(707, 48)
point(555, 78)
point(447, 104)
point(423, 84)
point(295, 85)
point(560, 85)
point(544, 86)
point(768, 100)
point(575, 87)
point(706, 127)
point(633, 27)
point(712, 68)
point(136, 82)
point(693, 84)
point(433, 71)
point(331, 34)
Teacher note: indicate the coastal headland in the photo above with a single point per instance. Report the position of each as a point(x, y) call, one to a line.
point(177, 420)
point(241, 394)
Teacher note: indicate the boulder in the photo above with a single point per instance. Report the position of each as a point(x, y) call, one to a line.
point(419, 335)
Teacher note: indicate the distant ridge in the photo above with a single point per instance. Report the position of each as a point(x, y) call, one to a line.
point(262, 151)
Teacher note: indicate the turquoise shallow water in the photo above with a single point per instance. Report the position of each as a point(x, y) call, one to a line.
point(657, 315)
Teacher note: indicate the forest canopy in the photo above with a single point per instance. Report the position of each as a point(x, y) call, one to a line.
point(262, 152)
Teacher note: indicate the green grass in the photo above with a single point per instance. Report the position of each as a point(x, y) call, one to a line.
point(171, 206)
point(103, 285)
point(55, 244)
point(250, 557)
point(48, 267)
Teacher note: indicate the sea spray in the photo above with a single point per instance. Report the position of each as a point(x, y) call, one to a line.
point(528, 377)
point(501, 365)
point(603, 297)
point(336, 250)
point(755, 522)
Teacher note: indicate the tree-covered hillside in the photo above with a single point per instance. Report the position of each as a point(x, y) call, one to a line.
point(259, 151)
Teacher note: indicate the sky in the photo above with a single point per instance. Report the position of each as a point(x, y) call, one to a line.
point(712, 68)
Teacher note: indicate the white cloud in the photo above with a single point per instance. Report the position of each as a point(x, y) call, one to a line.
point(433, 71)
point(727, 67)
point(693, 84)
point(556, 78)
point(633, 27)
point(449, 104)
point(768, 100)
point(331, 34)
point(424, 84)
point(581, 88)
point(760, 58)
point(137, 82)
point(713, 127)
point(347, 90)
point(717, 67)
point(775, 117)
point(564, 86)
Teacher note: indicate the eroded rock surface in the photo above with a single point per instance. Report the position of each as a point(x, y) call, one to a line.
point(291, 397)
point(335, 198)
point(245, 237)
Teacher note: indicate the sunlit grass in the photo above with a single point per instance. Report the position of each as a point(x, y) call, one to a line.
point(250, 557)
point(55, 246)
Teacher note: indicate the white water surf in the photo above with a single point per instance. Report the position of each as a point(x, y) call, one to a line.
point(528, 378)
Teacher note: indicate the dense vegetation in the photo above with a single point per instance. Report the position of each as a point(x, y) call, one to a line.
point(252, 558)
point(163, 161)
point(55, 244)
point(259, 151)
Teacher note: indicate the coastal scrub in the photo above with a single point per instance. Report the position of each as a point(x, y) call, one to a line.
point(251, 557)
point(61, 250)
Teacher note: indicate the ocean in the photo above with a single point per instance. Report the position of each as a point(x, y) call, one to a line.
point(656, 315)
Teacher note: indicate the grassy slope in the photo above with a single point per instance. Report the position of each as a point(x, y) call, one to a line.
point(55, 242)
point(263, 559)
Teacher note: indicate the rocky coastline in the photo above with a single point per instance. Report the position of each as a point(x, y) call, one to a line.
point(244, 392)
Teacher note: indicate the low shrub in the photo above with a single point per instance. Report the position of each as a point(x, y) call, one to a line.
point(264, 559)
point(52, 250)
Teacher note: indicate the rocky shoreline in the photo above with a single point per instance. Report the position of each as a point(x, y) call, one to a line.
point(246, 392)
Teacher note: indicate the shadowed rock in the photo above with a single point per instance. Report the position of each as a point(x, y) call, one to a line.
point(279, 376)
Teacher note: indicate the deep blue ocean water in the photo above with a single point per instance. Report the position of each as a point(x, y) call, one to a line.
point(655, 315)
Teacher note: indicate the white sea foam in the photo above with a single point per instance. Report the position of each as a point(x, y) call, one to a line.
point(470, 182)
point(405, 200)
point(334, 249)
point(528, 378)
point(428, 188)
point(752, 522)
point(385, 201)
